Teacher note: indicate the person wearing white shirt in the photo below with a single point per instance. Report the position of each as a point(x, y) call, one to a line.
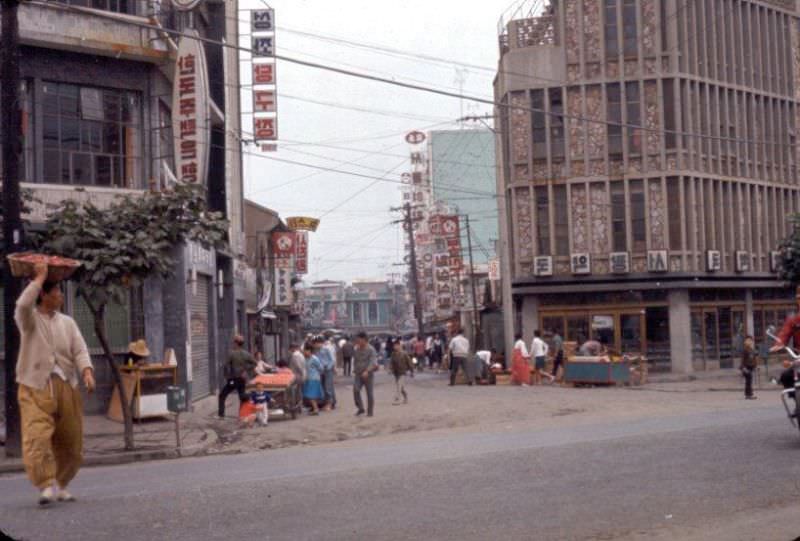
point(539, 350)
point(459, 352)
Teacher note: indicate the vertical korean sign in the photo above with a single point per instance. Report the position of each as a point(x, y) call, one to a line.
point(265, 98)
point(301, 252)
point(190, 110)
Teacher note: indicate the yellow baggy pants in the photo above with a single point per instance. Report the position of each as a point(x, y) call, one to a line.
point(52, 432)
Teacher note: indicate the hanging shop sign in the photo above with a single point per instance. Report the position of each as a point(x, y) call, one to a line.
point(283, 287)
point(302, 223)
point(415, 137)
point(494, 269)
point(301, 252)
point(713, 260)
point(543, 265)
point(190, 110)
point(581, 263)
point(185, 5)
point(619, 262)
point(774, 261)
point(263, 46)
point(742, 261)
point(263, 74)
point(264, 101)
point(657, 261)
point(265, 129)
point(283, 244)
point(262, 20)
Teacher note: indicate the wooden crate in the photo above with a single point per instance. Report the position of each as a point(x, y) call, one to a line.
point(503, 379)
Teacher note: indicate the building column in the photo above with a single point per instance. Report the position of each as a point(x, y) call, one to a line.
point(530, 317)
point(748, 312)
point(680, 331)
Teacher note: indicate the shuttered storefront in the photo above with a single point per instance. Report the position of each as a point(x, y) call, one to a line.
point(200, 330)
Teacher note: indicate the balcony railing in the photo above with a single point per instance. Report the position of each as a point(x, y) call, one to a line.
point(528, 24)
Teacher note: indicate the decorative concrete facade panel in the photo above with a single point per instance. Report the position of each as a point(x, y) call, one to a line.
point(592, 27)
point(578, 204)
point(596, 131)
point(649, 32)
point(577, 132)
point(600, 205)
point(524, 236)
point(520, 127)
point(573, 31)
point(652, 118)
point(657, 215)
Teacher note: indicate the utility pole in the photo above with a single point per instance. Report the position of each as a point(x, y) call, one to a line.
point(475, 320)
point(12, 222)
point(408, 225)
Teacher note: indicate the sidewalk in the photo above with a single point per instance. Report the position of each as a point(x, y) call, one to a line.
point(154, 439)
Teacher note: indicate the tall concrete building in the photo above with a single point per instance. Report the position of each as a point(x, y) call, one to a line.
point(100, 81)
point(648, 163)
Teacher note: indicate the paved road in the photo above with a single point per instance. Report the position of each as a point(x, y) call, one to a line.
point(644, 479)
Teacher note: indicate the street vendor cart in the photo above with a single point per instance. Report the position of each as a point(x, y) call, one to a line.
point(596, 371)
point(285, 390)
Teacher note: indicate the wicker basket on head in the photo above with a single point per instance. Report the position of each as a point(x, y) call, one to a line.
point(58, 268)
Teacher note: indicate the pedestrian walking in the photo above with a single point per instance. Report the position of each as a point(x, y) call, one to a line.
point(365, 363)
point(459, 355)
point(437, 353)
point(749, 363)
point(539, 350)
point(558, 354)
point(238, 369)
point(312, 387)
point(520, 362)
point(347, 356)
point(297, 363)
point(52, 357)
point(326, 352)
point(419, 353)
point(401, 365)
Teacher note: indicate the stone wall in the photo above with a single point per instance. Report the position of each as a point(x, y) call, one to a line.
point(579, 209)
point(524, 237)
point(599, 211)
point(657, 215)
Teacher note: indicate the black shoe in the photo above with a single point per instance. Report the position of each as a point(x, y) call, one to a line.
point(369, 414)
point(359, 413)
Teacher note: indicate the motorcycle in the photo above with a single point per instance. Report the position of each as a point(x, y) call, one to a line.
point(789, 396)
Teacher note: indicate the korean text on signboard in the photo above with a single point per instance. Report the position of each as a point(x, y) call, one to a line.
point(190, 110)
point(265, 107)
point(301, 252)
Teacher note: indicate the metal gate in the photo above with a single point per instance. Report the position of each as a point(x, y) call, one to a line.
point(198, 317)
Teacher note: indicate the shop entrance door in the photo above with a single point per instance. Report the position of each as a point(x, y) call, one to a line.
point(631, 333)
point(705, 338)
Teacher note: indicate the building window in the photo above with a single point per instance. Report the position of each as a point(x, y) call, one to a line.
point(638, 226)
point(611, 29)
point(634, 117)
point(542, 220)
point(556, 123)
point(166, 152)
point(538, 124)
point(91, 136)
point(373, 312)
point(119, 6)
point(356, 313)
point(614, 114)
point(630, 46)
point(561, 219)
point(618, 229)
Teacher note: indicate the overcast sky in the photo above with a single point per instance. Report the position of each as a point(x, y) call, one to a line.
point(364, 120)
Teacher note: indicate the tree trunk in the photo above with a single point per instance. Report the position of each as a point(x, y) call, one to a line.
point(99, 329)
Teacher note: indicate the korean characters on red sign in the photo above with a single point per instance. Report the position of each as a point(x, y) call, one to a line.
point(301, 252)
point(264, 101)
point(265, 129)
point(187, 114)
point(263, 74)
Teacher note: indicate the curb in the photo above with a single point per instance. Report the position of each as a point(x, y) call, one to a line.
point(129, 457)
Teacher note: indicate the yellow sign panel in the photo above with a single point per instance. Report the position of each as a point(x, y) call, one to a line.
point(302, 223)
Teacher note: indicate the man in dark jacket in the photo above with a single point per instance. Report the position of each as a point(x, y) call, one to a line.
point(401, 365)
point(365, 363)
point(238, 369)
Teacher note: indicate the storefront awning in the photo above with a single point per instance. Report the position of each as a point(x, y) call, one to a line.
point(268, 314)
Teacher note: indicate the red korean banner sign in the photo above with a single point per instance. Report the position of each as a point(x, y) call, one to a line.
point(301, 252)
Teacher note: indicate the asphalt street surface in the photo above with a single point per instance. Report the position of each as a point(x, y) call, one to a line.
point(596, 481)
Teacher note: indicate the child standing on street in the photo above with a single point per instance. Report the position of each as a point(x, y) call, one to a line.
point(400, 365)
point(256, 408)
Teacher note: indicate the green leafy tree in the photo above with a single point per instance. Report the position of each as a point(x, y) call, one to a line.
point(124, 244)
point(789, 261)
